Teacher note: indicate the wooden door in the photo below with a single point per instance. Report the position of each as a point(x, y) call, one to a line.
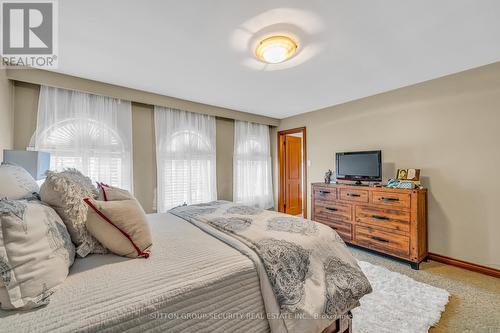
point(293, 175)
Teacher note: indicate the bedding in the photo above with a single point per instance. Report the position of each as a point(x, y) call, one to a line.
point(192, 282)
point(311, 272)
point(35, 253)
point(64, 191)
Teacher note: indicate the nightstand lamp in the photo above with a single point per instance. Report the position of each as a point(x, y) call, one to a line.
point(35, 162)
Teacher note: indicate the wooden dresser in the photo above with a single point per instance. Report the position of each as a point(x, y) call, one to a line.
point(387, 220)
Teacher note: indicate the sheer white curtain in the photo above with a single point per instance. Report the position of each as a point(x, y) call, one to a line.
point(185, 158)
point(90, 133)
point(252, 184)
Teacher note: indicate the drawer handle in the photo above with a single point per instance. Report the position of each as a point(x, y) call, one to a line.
point(378, 217)
point(390, 199)
point(380, 239)
point(332, 209)
point(324, 192)
point(353, 195)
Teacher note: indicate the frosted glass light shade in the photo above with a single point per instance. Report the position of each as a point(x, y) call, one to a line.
point(276, 49)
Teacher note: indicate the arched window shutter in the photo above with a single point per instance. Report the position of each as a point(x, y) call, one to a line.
point(88, 132)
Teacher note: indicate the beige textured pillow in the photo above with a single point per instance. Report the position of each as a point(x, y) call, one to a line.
point(65, 191)
point(121, 226)
point(35, 253)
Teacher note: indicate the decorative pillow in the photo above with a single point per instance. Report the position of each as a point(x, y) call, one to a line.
point(15, 182)
point(65, 191)
point(35, 253)
point(121, 226)
point(111, 193)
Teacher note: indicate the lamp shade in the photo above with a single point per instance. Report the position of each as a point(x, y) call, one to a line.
point(35, 162)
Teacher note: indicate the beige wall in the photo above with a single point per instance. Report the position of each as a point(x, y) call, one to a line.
point(6, 115)
point(25, 107)
point(144, 154)
point(449, 128)
point(225, 146)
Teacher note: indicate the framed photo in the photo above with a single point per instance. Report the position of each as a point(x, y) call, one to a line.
point(408, 174)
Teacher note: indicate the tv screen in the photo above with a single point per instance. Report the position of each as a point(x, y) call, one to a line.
point(363, 165)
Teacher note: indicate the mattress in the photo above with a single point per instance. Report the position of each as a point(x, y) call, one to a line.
point(192, 282)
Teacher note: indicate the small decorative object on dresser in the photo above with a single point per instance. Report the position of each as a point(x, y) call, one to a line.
point(408, 174)
point(394, 183)
point(392, 221)
point(328, 176)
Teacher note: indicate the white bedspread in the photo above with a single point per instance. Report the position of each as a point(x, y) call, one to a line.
point(189, 273)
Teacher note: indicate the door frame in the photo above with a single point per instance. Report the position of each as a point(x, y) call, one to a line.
point(281, 168)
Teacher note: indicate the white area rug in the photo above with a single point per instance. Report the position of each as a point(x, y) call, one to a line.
point(398, 304)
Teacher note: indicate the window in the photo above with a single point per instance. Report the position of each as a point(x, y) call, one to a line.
point(252, 184)
point(90, 133)
point(185, 155)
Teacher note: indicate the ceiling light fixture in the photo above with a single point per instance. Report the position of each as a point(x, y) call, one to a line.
point(276, 49)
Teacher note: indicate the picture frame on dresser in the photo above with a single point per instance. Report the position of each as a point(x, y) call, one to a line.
point(390, 221)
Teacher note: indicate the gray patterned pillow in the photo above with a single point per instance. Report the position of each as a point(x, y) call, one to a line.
point(15, 182)
point(35, 253)
point(65, 191)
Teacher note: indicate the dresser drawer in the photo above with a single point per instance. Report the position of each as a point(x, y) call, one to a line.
point(353, 195)
point(386, 218)
point(324, 193)
point(344, 229)
point(387, 242)
point(333, 210)
point(390, 199)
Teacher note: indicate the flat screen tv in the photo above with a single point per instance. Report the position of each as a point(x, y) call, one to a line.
point(359, 166)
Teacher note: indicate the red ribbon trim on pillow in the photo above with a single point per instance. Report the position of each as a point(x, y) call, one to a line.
point(140, 253)
point(102, 186)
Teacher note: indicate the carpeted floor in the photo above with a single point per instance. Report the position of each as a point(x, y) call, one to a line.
point(474, 304)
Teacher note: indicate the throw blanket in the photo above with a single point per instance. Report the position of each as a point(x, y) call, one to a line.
point(306, 271)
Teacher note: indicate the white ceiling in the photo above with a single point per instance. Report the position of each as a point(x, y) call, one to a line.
point(203, 50)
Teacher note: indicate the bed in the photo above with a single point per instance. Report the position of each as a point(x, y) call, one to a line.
point(116, 294)
point(193, 282)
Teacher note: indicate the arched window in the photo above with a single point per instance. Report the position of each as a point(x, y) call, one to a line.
point(188, 139)
point(252, 183)
point(87, 132)
point(185, 155)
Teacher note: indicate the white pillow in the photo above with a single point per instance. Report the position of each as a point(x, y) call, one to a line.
point(15, 182)
point(64, 191)
point(35, 253)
